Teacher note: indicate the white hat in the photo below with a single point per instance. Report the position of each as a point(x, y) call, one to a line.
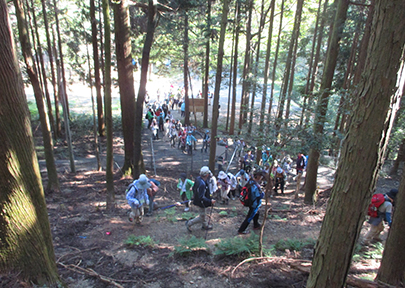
point(205, 171)
point(142, 182)
point(222, 175)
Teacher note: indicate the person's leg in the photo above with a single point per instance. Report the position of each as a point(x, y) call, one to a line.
point(282, 182)
point(199, 219)
point(256, 224)
point(151, 204)
point(372, 233)
point(246, 222)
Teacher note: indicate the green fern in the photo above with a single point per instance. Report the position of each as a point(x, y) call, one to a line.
point(293, 244)
point(140, 241)
point(238, 246)
point(189, 244)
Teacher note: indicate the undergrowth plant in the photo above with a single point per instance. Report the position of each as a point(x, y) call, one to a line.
point(140, 241)
point(294, 244)
point(240, 245)
point(188, 244)
point(170, 215)
point(187, 215)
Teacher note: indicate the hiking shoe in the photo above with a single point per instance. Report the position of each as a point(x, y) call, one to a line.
point(188, 227)
point(258, 227)
point(130, 219)
point(186, 209)
point(209, 227)
point(243, 232)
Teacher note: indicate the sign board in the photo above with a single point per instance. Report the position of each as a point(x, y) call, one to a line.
point(197, 104)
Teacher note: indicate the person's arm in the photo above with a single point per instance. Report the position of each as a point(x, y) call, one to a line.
point(388, 218)
point(131, 197)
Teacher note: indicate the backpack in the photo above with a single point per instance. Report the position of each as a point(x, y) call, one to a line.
point(376, 201)
point(245, 196)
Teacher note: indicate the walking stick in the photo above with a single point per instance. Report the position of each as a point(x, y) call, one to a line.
point(209, 221)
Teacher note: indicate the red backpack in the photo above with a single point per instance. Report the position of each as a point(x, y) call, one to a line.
point(376, 201)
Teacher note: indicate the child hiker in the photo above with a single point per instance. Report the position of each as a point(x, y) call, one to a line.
point(186, 190)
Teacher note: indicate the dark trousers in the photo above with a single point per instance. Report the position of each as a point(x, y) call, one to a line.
point(279, 182)
point(252, 214)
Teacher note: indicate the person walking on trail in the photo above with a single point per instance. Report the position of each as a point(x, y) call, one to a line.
point(255, 201)
point(137, 196)
point(384, 214)
point(300, 171)
point(190, 139)
point(152, 190)
point(206, 141)
point(234, 185)
point(202, 199)
point(248, 159)
point(242, 178)
point(186, 190)
point(225, 187)
point(280, 177)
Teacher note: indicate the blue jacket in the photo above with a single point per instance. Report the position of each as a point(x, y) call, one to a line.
point(256, 194)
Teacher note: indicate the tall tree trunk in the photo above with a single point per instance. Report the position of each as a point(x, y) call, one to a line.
point(228, 107)
point(377, 100)
point(311, 64)
point(255, 68)
point(42, 65)
point(58, 126)
point(152, 19)
point(288, 68)
point(218, 76)
point(400, 158)
point(94, 42)
point(392, 269)
point(185, 69)
point(126, 81)
point(26, 240)
point(207, 64)
point(316, 62)
point(273, 74)
point(108, 109)
point(297, 26)
point(266, 70)
point(235, 68)
point(61, 61)
point(53, 181)
point(322, 106)
point(93, 108)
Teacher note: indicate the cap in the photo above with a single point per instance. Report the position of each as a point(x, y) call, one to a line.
point(205, 171)
point(142, 182)
point(392, 194)
point(222, 175)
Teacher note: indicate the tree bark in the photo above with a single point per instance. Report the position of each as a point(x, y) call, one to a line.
point(139, 166)
point(377, 100)
point(273, 74)
point(185, 69)
point(94, 42)
point(26, 241)
point(207, 65)
point(235, 68)
point(322, 106)
point(218, 76)
point(392, 269)
point(53, 181)
point(316, 62)
point(266, 68)
point(246, 69)
point(126, 81)
point(294, 38)
point(58, 126)
point(108, 109)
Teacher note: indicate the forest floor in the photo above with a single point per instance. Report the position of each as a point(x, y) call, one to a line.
point(91, 244)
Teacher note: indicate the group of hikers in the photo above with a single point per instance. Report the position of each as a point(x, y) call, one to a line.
point(206, 189)
point(162, 124)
